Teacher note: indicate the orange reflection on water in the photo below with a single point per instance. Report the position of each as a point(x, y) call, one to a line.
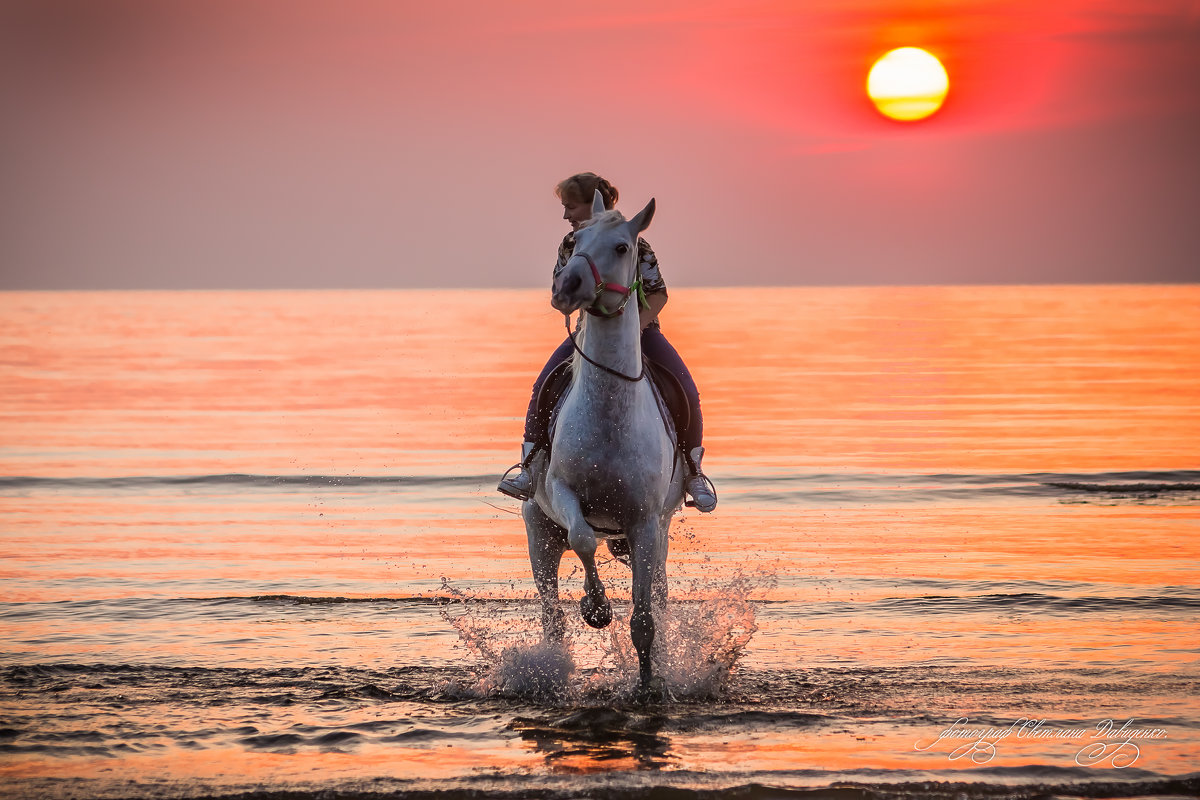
point(237, 766)
point(877, 381)
point(876, 378)
point(899, 747)
point(946, 379)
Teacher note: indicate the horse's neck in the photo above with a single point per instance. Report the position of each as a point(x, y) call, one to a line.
point(617, 344)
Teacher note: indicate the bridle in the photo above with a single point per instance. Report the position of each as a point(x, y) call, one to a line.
point(599, 309)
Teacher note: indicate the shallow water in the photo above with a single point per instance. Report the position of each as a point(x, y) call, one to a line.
point(250, 543)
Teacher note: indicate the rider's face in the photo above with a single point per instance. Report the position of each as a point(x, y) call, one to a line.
point(576, 213)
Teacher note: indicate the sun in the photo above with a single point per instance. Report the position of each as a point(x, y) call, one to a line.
point(907, 84)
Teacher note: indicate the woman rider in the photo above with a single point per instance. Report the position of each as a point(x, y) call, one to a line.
point(576, 193)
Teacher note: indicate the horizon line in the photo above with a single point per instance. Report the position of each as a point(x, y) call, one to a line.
point(739, 286)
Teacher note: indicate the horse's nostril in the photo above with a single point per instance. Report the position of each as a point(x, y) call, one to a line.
point(572, 283)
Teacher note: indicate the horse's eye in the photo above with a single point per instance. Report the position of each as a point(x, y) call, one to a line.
point(622, 248)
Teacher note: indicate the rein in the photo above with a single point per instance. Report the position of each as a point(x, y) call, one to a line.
point(609, 370)
point(598, 309)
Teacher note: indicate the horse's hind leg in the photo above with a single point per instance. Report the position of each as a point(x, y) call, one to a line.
point(547, 543)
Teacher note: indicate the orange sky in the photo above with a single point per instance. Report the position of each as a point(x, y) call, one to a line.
point(213, 143)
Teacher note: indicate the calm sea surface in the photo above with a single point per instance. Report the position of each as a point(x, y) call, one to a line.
point(251, 545)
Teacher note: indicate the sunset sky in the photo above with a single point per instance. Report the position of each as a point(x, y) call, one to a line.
point(243, 144)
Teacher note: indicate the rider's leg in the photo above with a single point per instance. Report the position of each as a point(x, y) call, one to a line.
point(537, 436)
point(656, 347)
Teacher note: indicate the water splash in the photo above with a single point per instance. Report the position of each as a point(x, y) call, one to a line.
point(702, 633)
point(541, 670)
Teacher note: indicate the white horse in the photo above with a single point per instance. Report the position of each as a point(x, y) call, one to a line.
point(613, 464)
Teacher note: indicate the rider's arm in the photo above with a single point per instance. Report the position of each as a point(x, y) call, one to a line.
point(652, 283)
point(656, 301)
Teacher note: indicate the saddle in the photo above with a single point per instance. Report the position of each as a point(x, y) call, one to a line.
point(672, 401)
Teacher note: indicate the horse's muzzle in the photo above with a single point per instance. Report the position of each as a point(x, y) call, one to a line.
point(568, 293)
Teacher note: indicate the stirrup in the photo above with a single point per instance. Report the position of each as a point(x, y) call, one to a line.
point(690, 502)
point(521, 486)
point(692, 458)
point(510, 488)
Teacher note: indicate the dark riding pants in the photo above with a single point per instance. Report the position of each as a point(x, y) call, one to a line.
point(655, 347)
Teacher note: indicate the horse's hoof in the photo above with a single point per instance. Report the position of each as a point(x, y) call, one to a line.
point(650, 690)
point(598, 615)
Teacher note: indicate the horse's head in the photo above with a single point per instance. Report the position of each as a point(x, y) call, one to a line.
point(604, 264)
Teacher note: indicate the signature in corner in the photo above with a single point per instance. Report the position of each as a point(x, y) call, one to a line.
point(1108, 744)
point(1118, 754)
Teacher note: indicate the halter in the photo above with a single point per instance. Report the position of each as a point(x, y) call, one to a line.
point(599, 309)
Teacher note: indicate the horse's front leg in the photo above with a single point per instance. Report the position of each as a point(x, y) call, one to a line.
point(648, 555)
point(659, 589)
point(594, 605)
point(547, 543)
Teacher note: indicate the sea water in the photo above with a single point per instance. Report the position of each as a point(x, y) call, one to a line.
point(251, 545)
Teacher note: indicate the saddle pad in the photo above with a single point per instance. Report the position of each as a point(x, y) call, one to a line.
point(667, 390)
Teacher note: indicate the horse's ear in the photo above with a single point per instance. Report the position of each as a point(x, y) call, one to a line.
point(597, 203)
point(641, 220)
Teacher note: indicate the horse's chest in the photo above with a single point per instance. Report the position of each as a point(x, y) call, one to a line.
point(604, 446)
point(604, 442)
point(599, 449)
point(605, 493)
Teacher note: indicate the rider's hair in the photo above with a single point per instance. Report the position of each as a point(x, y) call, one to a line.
point(582, 187)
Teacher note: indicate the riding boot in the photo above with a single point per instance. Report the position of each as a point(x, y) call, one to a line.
point(704, 494)
point(520, 485)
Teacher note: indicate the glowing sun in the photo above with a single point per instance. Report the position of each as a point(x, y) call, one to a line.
point(907, 84)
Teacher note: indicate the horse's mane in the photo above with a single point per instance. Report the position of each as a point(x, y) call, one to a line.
point(606, 218)
point(580, 340)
